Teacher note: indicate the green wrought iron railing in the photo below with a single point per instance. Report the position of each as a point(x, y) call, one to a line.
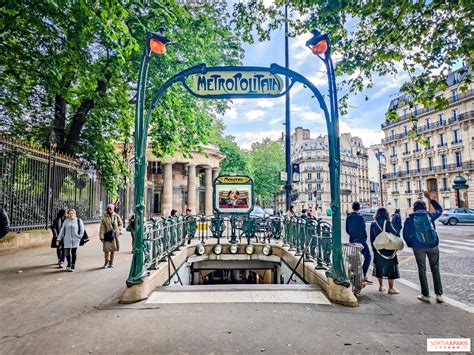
point(310, 239)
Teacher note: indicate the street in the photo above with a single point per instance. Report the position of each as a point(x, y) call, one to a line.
point(456, 262)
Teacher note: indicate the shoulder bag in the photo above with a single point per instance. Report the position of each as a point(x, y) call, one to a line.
point(387, 241)
point(109, 236)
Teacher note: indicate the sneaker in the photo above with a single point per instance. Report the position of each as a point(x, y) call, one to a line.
point(423, 298)
point(68, 269)
point(60, 265)
point(393, 291)
point(439, 299)
point(110, 264)
point(106, 264)
point(382, 289)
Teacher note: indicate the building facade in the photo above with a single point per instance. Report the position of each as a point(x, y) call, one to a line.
point(444, 150)
point(178, 182)
point(312, 155)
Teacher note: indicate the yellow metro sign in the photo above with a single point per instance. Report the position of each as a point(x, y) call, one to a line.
point(237, 82)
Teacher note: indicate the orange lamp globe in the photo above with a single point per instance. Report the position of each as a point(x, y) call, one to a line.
point(320, 48)
point(157, 46)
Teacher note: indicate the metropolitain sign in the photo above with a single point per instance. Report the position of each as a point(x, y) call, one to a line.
point(237, 82)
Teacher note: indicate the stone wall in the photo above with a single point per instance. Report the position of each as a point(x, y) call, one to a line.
point(14, 241)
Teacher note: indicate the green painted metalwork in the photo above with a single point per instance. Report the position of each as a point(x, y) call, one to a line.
point(138, 269)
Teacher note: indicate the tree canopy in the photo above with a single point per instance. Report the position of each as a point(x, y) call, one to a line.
point(71, 67)
point(266, 159)
point(377, 37)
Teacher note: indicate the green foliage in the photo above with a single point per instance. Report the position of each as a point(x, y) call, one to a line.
point(380, 37)
point(72, 66)
point(235, 160)
point(266, 159)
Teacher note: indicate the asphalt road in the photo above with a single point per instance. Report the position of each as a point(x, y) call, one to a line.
point(456, 259)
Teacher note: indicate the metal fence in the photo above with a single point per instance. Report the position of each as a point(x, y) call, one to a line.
point(310, 239)
point(35, 183)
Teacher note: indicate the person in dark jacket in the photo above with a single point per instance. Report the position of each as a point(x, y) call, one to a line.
point(4, 223)
point(397, 221)
point(419, 233)
point(304, 214)
point(56, 228)
point(384, 267)
point(355, 227)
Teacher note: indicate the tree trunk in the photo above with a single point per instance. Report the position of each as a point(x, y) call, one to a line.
point(59, 122)
point(80, 116)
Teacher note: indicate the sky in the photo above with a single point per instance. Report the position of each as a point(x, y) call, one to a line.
point(251, 120)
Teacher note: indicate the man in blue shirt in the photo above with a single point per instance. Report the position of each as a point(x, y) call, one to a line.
point(355, 228)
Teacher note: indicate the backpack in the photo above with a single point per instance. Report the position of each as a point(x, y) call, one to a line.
point(424, 232)
point(85, 237)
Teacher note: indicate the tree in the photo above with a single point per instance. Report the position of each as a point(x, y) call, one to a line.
point(72, 67)
point(235, 160)
point(266, 159)
point(424, 38)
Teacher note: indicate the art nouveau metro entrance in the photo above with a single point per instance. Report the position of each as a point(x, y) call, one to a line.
point(226, 83)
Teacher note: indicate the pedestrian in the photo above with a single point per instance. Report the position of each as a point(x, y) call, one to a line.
point(420, 234)
point(173, 213)
point(188, 212)
point(4, 223)
point(70, 236)
point(304, 214)
point(291, 212)
point(384, 267)
point(131, 228)
point(355, 228)
point(109, 235)
point(56, 228)
point(397, 221)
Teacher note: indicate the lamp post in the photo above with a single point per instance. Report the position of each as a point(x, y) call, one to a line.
point(155, 43)
point(378, 156)
point(320, 45)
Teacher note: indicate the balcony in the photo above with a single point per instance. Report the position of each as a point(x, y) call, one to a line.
point(456, 142)
point(441, 145)
point(406, 153)
point(434, 169)
point(395, 192)
point(445, 189)
point(408, 191)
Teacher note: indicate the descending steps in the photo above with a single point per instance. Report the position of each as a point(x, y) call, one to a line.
point(241, 293)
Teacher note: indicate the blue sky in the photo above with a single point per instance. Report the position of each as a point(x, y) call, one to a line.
point(251, 120)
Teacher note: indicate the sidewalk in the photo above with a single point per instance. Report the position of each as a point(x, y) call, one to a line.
point(47, 311)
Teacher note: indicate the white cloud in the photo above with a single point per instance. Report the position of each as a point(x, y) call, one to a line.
point(245, 139)
point(255, 115)
point(314, 117)
point(369, 135)
point(266, 103)
point(231, 114)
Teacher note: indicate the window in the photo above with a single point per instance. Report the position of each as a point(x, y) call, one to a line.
point(318, 155)
point(405, 150)
point(318, 176)
point(457, 136)
point(454, 114)
point(319, 197)
point(394, 151)
point(405, 130)
point(419, 186)
point(458, 160)
point(392, 133)
point(427, 122)
point(416, 110)
point(310, 187)
point(445, 184)
point(308, 166)
point(442, 140)
point(310, 176)
point(318, 186)
point(310, 197)
point(417, 147)
point(430, 163)
point(444, 161)
point(407, 167)
point(418, 165)
point(405, 114)
point(455, 95)
point(440, 118)
point(408, 187)
point(409, 202)
point(395, 201)
point(394, 168)
point(395, 187)
point(429, 142)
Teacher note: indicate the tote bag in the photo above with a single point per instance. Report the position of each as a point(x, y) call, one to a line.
point(387, 241)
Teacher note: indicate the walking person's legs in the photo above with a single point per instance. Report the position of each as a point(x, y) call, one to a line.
point(60, 254)
point(106, 257)
point(67, 252)
point(367, 258)
point(433, 259)
point(420, 256)
point(381, 288)
point(73, 258)
point(111, 260)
